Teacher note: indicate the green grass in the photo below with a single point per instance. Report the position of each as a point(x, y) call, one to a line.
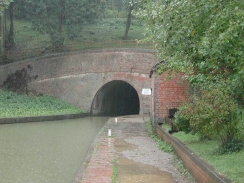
point(106, 33)
point(229, 165)
point(114, 172)
point(104, 30)
point(15, 105)
point(27, 38)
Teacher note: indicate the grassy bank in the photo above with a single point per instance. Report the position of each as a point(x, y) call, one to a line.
point(104, 30)
point(229, 164)
point(15, 105)
point(106, 33)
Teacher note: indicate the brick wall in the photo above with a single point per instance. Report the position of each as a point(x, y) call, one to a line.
point(168, 94)
point(77, 77)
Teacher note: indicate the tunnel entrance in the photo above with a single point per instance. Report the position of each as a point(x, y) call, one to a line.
point(116, 98)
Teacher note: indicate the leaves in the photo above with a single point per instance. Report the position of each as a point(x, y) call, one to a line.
point(55, 17)
point(213, 114)
point(4, 4)
point(14, 105)
point(205, 34)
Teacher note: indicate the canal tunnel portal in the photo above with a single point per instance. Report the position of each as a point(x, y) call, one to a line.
point(116, 98)
point(104, 82)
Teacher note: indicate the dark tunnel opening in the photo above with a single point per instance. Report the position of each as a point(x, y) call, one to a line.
point(116, 98)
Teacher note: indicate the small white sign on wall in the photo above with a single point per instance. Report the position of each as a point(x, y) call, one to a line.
point(146, 91)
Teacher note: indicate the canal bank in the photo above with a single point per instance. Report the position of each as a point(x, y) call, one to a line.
point(131, 152)
point(46, 151)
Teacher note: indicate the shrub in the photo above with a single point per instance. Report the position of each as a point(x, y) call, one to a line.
point(213, 115)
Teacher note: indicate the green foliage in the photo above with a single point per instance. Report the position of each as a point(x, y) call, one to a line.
point(204, 36)
point(105, 30)
point(228, 164)
point(204, 40)
point(201, 38)
point(53, 17)
point(4, 4)
point(213, 115)
point(15, 105)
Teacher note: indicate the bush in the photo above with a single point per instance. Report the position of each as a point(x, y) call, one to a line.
point(212, 115)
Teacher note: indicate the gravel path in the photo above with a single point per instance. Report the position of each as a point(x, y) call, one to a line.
point(133, 143)
point(136, 156)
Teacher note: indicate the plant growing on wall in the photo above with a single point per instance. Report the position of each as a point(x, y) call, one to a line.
point(17, 81)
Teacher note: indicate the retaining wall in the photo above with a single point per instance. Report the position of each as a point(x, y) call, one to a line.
point(201, 171)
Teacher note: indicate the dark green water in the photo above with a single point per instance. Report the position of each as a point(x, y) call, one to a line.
point(45, 152)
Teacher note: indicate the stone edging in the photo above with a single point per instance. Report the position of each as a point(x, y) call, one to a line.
point(200, 170)
point(82, 175)
point(41, 118)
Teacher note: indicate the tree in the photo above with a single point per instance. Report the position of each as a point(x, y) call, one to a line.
point(21, 10)
point(202, 38)
point(4, 4)
point(55, 16)
point(129, 16)
point(10, 35)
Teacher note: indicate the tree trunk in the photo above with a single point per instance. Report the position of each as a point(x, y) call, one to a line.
point(128, 22)
point(11, 28)
point(2, 33)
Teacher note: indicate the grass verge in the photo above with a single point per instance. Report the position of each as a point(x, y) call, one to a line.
point(229, 164)
point(16, 105)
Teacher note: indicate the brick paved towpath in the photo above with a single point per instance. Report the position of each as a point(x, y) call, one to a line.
point(132, 151)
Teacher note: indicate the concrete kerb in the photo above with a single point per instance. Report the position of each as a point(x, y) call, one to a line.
point(201, 171)
point(41, 118)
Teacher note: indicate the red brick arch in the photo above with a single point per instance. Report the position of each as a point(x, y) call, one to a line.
point(77, 77)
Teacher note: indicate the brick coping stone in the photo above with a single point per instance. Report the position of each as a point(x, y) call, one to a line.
point(27, 119)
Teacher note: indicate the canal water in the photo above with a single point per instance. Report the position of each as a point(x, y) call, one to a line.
point(46, 152)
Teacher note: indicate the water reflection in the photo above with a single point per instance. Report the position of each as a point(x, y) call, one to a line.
point(42, 152)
